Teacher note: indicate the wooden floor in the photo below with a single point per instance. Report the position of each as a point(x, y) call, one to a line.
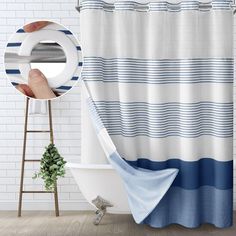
point(72, 223)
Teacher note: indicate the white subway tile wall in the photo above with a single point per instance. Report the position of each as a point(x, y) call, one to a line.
point(66, 116)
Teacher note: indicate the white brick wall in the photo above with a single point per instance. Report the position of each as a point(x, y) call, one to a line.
point(66, 115)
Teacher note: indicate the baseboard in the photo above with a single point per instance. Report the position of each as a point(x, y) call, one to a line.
point(45, 205)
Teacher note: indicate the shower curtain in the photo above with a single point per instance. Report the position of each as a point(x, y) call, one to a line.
point(159, 81)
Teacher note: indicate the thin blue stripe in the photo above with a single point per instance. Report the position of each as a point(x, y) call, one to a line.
point(194, 174)
point(78, 48)
point(159, 60)
point(94, 115)
point(169, 135)
point(75, 78)
point(13, 71)
point(155, 6)
point(17, 44)
point(14, 83)
point(152, 123)
point(167, 119)
point(164, 71)
point(65, 87)
point(169, 131)
point(80, 64)
point(167, 82)
point(174, 103)
point(20, 31)
point(66, 31)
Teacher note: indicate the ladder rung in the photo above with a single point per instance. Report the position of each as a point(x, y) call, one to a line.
point(33, 160)
point(38, 131)
point(37, 191)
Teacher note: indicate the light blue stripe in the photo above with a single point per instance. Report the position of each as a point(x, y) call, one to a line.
point(94, 115)
point(191, 208)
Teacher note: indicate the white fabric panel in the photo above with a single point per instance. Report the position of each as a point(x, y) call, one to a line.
point(186, 149)
point(161, 35)
point(158, 35)
point(160, 93)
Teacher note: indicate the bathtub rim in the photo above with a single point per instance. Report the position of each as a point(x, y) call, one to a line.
point(89, 166)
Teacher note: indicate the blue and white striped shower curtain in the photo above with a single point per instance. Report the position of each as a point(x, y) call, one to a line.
point(159, 78)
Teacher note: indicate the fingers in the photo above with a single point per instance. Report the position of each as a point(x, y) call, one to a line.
point(25, 89)
point(39, 85)
point(35, 26)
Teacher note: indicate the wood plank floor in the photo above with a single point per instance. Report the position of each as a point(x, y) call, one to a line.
point(72, 223)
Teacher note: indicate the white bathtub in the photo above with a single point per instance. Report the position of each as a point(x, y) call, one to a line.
point(102, 180)
point(94, 175)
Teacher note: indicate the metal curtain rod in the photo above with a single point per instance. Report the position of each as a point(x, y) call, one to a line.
point(144, 7)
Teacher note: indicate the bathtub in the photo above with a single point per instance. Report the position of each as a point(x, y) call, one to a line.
point(94, 175)
point(101, 180)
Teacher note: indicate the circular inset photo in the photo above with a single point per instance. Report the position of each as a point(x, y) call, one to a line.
point(43, 60)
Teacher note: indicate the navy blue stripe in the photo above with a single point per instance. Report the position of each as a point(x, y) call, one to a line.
point(20, 31)
point(75, 78)
point(66, 31)
point(194, 174)
point(78, 48)
point(65, 87)
point(192, 208)
point(80, 64)
point(13, 44)
point(14, 83)
point(12, 71)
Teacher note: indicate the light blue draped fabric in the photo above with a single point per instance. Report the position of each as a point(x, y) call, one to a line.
point(145, 188)
point(159, 82)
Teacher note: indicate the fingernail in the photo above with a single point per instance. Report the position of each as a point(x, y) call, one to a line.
point(35, 73)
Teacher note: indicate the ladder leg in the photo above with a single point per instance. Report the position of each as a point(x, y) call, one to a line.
point(23, 159)
point(56, 200)
point(52, 141)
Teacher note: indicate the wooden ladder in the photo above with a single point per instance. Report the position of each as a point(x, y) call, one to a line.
point(26, 131)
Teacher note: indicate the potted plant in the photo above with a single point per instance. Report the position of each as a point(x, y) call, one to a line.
point(52, 166)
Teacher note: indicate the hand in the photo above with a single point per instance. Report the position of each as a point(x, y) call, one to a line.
point(37, 83)
point(37, 86)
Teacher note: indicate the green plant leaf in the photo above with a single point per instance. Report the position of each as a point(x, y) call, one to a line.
point(52, 166)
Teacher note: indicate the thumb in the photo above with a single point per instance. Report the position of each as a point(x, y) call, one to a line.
point(39, 85)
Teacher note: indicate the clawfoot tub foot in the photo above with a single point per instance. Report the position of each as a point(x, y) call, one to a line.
point(101, 205)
